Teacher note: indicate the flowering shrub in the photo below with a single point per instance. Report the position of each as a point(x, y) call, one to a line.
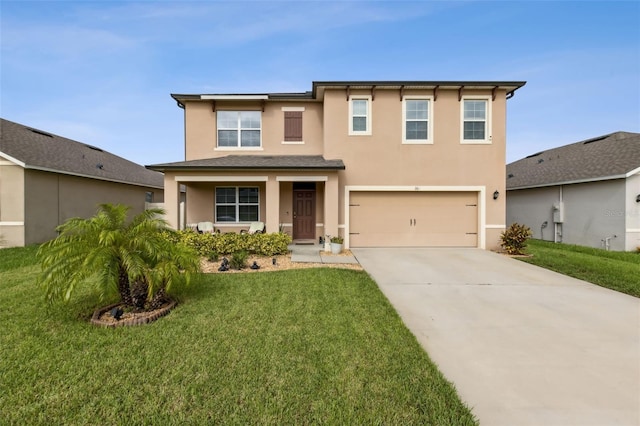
point(514, 238)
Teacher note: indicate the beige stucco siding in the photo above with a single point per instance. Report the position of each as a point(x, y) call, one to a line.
point(379, 159)
point(201, 129)
point(382, 159)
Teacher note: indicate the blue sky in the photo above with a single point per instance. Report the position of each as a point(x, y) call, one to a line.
point(102, 72)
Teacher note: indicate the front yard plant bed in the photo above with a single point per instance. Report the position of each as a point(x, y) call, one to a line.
point(305, 346)
point(102, 317)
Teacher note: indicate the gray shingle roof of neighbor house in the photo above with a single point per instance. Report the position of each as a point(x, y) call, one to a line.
point(255, 162)
point(318, 88)
point(606, 157)
point(39, 150)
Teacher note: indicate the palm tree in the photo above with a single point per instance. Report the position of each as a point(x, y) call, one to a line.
point(114, 254)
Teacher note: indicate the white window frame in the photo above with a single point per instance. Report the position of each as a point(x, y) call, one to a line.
point(237, 204)
point(430, 104)
point(239, 129)
point(368, 116)
point(487, 122)
point(294, 109)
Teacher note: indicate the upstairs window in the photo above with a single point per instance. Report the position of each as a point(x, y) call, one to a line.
point(475, 120)
point(360, 115)
point(417, 120)
point(237, 204)
point(239, 129)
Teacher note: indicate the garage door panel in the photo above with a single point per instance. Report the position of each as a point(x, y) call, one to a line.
point(409, 219)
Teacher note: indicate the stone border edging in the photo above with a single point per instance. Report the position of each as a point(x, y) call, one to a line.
point(95, 319)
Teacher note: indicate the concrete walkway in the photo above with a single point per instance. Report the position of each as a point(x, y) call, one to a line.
point(313, 253)
point(523, 345)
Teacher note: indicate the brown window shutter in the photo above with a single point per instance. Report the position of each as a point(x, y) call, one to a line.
point(292, 126)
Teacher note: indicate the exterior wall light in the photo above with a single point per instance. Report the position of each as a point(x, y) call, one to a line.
point(496, 195)
point(638, 199)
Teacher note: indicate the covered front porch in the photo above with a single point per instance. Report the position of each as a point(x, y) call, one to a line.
point(296, 195)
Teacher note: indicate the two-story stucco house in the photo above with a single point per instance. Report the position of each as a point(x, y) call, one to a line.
point(381, 163)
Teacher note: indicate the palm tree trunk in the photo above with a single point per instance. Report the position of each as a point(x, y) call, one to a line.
point(159, 299)
point(124, 288)
point(139, 293)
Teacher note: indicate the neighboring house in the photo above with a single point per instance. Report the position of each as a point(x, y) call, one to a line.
point(383, 164)
point(46, 179)
point(585, 193)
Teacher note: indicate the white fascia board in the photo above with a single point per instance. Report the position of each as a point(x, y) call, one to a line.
point(221, 178)
point(571, 182)
point(234, 97)
point(302, 178)
point(12, 160)
point(633, 172)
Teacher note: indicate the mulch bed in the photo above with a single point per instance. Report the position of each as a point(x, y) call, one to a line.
point(102, 317)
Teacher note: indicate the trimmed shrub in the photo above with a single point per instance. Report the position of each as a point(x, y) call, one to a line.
point(226, 244)
point(514, 238)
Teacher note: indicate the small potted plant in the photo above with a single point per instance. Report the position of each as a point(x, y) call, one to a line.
point(327, 243)
point(336, 244)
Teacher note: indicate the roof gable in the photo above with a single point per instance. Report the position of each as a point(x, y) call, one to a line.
point(39, 150)
point(604, 157)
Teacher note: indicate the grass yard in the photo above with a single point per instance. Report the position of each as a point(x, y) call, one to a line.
point(618, 271)
point(309, 346)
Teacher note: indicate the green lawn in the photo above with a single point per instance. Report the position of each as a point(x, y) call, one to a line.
point(618, 271)
point(313, 346)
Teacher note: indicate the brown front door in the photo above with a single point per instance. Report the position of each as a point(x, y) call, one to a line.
point(304, 214)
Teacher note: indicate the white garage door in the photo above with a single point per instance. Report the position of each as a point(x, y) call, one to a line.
point(413, 219)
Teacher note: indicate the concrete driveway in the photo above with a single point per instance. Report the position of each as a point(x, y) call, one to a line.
point(523, 345)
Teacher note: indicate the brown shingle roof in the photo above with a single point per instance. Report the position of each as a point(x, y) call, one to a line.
point(40, 150)
point(244, 162)
point(605, 157)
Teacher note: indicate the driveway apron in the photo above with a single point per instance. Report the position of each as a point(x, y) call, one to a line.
point(523, 345)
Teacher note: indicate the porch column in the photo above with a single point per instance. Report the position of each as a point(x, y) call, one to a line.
point(331, 205)
point(272, 200)
point(171, 200)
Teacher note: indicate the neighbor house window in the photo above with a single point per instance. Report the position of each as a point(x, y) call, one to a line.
point(148, 197)
point(360, 115)
point(417, 120)
point(475, 120)
point(239, 129)
point(237, 204)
